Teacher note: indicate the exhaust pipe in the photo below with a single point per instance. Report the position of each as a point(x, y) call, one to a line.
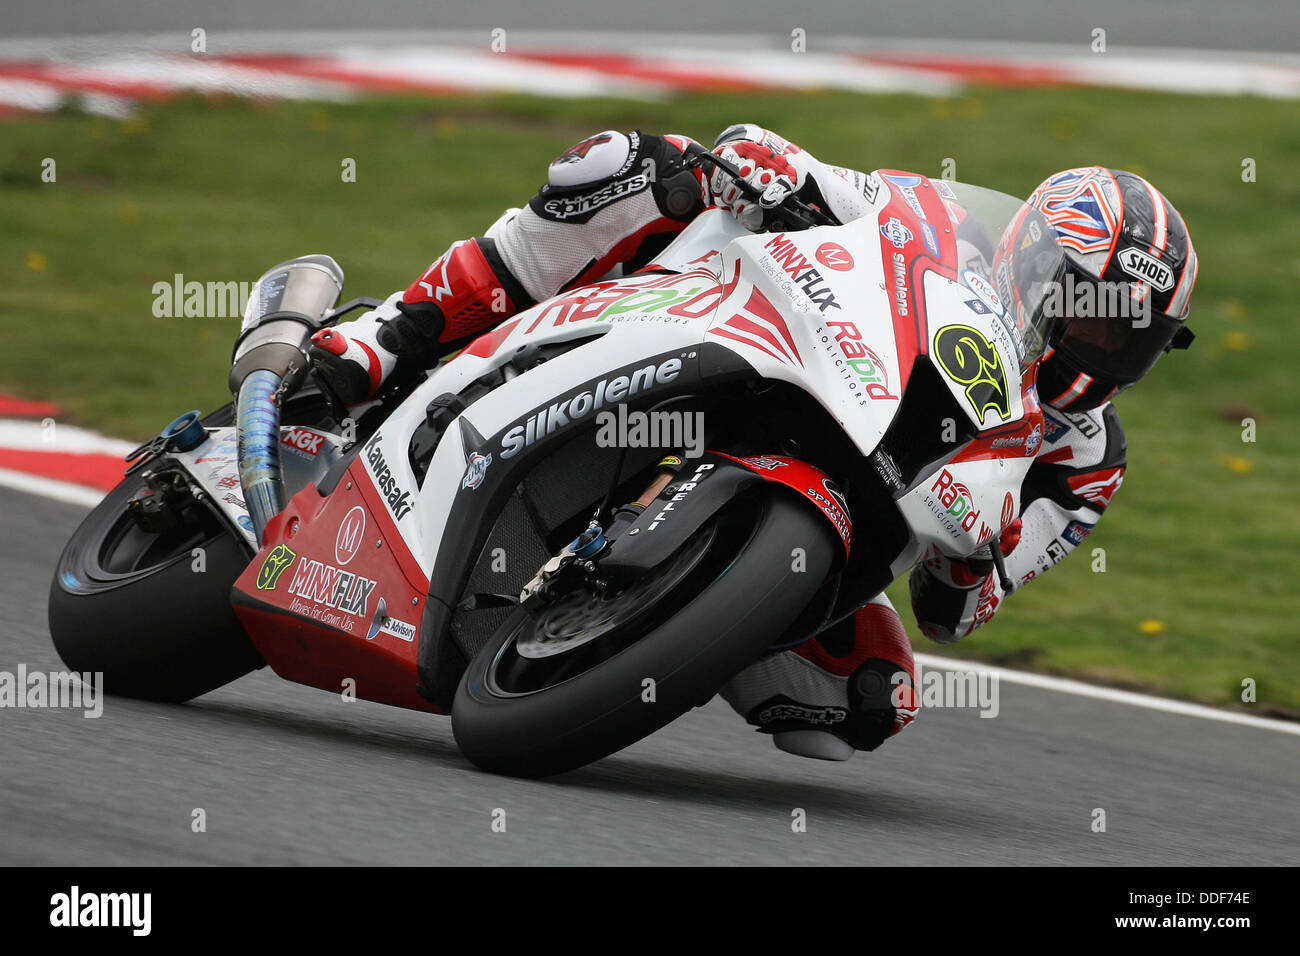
point(270, 359)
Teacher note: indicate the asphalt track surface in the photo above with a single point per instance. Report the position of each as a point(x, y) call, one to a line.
point(292, 775)
point(1203, 24)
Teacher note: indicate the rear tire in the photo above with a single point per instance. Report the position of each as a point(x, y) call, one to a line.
point(740, 601)
point(132, 606)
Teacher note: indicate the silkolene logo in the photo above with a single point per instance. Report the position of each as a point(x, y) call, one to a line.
point(613, 389)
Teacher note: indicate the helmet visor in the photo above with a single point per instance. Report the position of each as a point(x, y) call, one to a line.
point(1109, 328)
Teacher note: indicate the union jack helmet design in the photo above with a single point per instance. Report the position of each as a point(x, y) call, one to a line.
point(1118, 232)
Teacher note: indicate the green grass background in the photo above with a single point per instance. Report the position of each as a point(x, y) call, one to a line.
point(1200, 589)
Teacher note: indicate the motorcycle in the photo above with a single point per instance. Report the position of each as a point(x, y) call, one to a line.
point(495, 542)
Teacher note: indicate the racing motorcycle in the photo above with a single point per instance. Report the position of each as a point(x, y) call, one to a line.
point(475, 544)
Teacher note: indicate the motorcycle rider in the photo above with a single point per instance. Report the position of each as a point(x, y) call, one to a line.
point(614, 200)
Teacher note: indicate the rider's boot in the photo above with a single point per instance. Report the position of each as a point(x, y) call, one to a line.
point(465, 292)
point(849, 688)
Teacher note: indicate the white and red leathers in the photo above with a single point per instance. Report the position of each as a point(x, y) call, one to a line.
point(611, 203)
point(1070, 484)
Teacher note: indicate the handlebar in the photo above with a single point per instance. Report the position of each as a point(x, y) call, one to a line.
point(791, 210)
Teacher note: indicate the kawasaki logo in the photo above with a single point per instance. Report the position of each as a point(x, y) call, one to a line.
point(611, 390)
point(397, 499)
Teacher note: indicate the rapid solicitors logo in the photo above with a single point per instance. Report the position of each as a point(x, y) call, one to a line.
point(863, 369)
point(958, 505)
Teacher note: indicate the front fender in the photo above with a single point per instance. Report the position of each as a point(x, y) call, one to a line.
point(704, 485)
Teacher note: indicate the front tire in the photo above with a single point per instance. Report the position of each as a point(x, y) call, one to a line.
point(530, 715)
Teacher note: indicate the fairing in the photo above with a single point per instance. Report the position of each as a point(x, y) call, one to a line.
point(844, 313)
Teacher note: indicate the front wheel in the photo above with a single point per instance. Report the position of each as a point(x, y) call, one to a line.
point(591, 673)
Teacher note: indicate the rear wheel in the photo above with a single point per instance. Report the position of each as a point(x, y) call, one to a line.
point(592, 672)
point(151, 611)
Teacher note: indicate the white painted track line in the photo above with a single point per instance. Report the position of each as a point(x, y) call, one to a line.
point(64, 491)
point(1064, 685)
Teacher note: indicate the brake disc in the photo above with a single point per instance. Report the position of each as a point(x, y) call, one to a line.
point(583, 615)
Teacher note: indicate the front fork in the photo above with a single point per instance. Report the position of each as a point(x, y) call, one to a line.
point(578, 559)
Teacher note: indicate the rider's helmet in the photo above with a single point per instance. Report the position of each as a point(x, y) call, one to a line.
point(1124, 286)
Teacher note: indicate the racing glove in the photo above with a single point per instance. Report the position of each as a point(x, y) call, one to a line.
point(349, 358)
point(775, 167)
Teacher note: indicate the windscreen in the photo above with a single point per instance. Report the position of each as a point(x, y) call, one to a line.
point(1008, 244)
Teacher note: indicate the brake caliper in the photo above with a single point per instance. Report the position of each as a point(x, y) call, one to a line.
point(575, 559)
point(160, 506)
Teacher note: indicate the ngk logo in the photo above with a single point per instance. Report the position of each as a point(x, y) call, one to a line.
point(304, 441)
point(351, 530)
